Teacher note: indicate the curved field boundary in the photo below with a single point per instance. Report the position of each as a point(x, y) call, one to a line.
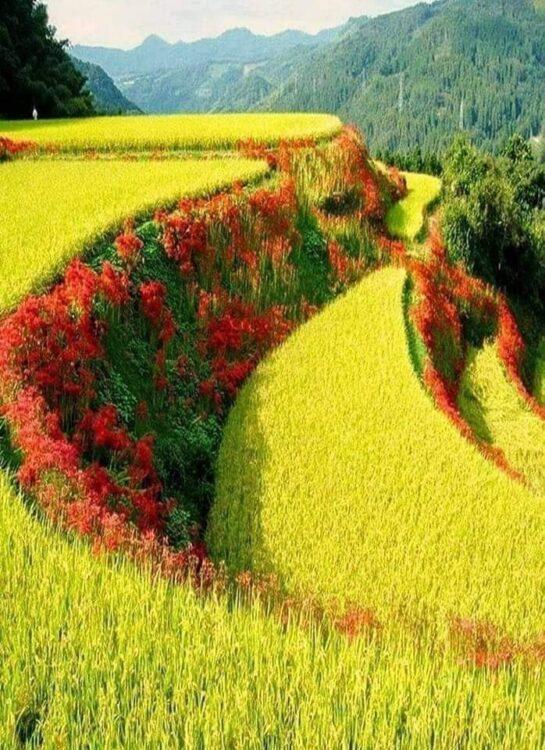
point(337, 472)
point(406, 218)
point(52, 210)
point(492, 405)
point(203, 132)
point(98, 653)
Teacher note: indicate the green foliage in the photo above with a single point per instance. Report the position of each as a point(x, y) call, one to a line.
point(415, 160)
point(35, 69)
point(493, 215)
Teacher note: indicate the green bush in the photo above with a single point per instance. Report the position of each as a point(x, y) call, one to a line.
point(493, 208)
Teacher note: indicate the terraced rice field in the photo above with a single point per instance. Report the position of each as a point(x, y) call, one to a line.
point(54, 209)
point(199, 132)
point(491, 404)
point(406, 608)
point(406, 219)
point(334, 432)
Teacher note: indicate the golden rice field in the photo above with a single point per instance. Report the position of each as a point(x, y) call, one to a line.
point(497, 413)
point(407, 217)
point(337, 472)
point(150, 132)
point(97, 652)
point(53, 209)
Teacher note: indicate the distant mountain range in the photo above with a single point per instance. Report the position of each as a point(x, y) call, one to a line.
point(234, 46)
point(410, 78)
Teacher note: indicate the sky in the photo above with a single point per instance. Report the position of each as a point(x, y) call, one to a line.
point(125, 23)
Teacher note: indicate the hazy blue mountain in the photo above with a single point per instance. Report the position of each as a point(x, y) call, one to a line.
point(233, 46)
point(409, 78)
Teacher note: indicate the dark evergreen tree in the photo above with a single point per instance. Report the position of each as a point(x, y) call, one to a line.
point(35, 69)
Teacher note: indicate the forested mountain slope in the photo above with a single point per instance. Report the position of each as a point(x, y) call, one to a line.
point(419, 75)
point(107, 98)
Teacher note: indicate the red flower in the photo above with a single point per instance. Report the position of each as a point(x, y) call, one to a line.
point(153, 295)
point(128, 245)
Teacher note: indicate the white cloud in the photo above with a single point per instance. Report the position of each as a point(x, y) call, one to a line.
point(124, 23)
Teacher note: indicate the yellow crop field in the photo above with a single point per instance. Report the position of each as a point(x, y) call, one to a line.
point(406, 218)
point(96, 652)
point(337, 472)
point(171, 131)
point(52, 209)
point(491, 404)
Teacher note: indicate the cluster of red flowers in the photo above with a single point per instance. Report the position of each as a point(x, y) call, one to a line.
point(277, 158)
point(444, 292)
point(129, 245)
point(345, 270)
point(231, 233)
point(234, 338)
point(481, 644)
point(10, 148)
point(512, 349)
point(49, 352)
point(153, 300)
point(252, 149)
point(358, 173)
point(484, 646)
point(398, 183)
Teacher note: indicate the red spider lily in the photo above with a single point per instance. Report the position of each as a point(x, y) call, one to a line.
point(153, 296)
point(80, 461)
point(114, 285)
point(356, 621)
point(185, 239)
point(104, 429)
point(399, 184)
point(10, 148)
point(128, 245)
point(253, 150)
point(481, 644)
point(345, 270)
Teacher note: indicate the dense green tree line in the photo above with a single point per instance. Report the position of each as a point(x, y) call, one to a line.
point(494, 217)
point(35, 69)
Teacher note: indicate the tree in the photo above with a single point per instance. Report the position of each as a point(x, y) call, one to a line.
point(493, 218)
point(35, 69)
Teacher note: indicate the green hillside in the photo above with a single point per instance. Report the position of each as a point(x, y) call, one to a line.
point(414, 77)
point(107, 98)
